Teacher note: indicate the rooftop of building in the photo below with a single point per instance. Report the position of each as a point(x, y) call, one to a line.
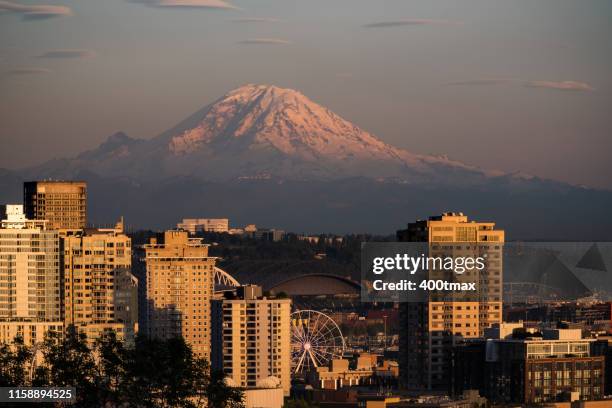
point(118, 229)
point(452, 218)
point(518, 332)
point(250, 293)
point(14, 218)
point(55, 181)
point(172, 238)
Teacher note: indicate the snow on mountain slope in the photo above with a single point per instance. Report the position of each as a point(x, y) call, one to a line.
point(262, 115)
point(263, 131)
point(286, 120)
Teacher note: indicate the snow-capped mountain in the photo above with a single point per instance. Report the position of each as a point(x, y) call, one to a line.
point(260, 131)
point(260, 116)
point(271, 156)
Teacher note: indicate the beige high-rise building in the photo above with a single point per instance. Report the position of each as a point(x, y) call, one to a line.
point(430, 329)
point(252, 338)
point(62, 203)
point(100, 292)
point(30, 298)
point(180, 285)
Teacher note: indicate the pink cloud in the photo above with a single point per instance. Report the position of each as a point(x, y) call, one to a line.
point(561, 85)
point(34, 12)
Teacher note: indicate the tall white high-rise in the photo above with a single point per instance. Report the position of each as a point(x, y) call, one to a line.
point(30, 285)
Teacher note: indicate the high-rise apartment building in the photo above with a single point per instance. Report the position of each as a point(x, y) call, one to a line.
point(251, 338)
point(180, 285)
point(430, 329)
point(30, 291)
point(62, 203)
point(100, 292)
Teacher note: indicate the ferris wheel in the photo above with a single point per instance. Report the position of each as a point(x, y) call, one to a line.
point(315, 340)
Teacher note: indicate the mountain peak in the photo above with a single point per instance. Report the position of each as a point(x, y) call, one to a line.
point(269, 117)
point(115, 141)
point(118, 137)
point(271, 93)
point(262, 88)
point(260, 129)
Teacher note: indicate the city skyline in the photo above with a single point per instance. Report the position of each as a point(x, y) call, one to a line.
point(306, 204)
point(421, 75)
point(281, 326)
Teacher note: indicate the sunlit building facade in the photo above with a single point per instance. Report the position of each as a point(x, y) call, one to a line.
point(430, 329)
point(252, 338)
point(180, 284)
point(30, 280)
point(62, 203)
point(193, 225)
point(101, 294)
point(532, 367)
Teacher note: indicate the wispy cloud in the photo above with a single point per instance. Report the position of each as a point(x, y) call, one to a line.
point(255, 20)
point(269, 41)
point(410, 22)
point(35, 12)
point(576, 86)
point(26, 71)
point(483, 81)
point(67, 53)
point(203, 4)
point(219, 4)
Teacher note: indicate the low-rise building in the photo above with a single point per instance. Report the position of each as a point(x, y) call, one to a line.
point(32, 332)
point(366, 371)
point(267, 393)
point(469, 399)
point(267, 234)
point(193, 225)
point(580, 404)
point(351, 398)
point(338, 374)
point(531, 367)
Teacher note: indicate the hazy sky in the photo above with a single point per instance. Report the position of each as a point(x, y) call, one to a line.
point(516, 85)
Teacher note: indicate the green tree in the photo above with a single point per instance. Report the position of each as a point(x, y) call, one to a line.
point(165, 373)
point(111, 369)
point(152, 373)
point(220, 395)
point(69, 362)
point(14, 364)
